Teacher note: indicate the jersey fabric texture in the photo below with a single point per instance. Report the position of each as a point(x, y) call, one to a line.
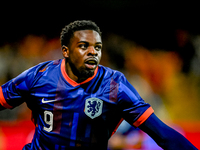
point(74, 115)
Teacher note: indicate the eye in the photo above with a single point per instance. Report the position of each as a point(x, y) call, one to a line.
point(98, 47)
point(83, 46)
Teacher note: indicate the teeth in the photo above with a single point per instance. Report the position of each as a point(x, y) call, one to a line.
point(91, 62)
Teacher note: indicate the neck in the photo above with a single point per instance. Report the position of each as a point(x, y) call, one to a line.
point(75, 75)
point(74, 79)
point(71, 74)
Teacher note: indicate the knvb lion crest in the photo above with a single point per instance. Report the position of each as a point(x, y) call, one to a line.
point(93, 107)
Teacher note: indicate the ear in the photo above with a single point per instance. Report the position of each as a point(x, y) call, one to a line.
point(65, 51)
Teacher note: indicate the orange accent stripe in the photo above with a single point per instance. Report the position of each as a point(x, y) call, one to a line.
point(117, 126)
point(44, 69)
point(3, 101)
point(72, 82)
point(143, 117)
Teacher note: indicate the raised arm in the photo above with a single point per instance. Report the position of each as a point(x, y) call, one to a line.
point(165, 136)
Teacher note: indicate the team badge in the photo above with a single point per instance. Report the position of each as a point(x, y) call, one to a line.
point(93, 107)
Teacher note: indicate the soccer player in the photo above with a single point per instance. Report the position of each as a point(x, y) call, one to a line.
point(77, 103)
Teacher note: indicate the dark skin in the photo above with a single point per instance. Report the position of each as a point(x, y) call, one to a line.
point(82, 58)
point(82, 55)
point(86, 45)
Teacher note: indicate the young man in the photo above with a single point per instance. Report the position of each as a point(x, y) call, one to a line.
point(77, 103)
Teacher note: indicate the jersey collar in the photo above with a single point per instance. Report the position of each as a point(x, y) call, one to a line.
point(72, 82)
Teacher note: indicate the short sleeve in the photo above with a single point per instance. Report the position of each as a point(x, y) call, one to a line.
point(15, 91)
point(133, 107)
point(11, 93)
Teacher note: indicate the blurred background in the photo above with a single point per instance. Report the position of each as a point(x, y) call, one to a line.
point(156, 44)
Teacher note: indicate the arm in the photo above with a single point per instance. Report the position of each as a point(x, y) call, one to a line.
point(139, 114)
point(164, 136)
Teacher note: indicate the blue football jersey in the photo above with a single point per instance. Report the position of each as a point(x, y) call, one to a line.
point(68, 114)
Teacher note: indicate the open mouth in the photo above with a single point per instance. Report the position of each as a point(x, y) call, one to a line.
point(91, 63)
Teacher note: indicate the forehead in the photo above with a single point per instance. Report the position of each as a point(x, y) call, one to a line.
point(90, 36)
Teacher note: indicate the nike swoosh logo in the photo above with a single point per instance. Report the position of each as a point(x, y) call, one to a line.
point(48, 101)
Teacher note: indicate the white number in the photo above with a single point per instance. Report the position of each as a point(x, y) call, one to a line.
point(48, 119)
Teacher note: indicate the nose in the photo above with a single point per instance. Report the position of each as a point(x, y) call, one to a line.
point(92, 51)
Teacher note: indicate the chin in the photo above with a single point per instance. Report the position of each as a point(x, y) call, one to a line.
point(87, 73)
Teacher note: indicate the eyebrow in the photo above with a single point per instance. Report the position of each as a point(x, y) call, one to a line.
point(88, 42)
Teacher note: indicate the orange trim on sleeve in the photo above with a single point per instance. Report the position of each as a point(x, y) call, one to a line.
point(117, 126)
point(3, 101)
point(144, 117)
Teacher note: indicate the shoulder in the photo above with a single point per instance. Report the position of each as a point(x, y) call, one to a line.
point(44, 66)
point(111, 72)
point(118, 83)
point(32, 74)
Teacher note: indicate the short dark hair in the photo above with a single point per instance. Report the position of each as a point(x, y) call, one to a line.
point(68, 31)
